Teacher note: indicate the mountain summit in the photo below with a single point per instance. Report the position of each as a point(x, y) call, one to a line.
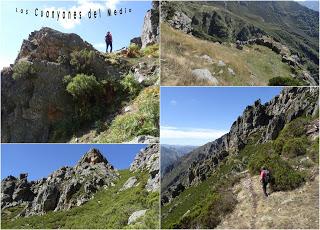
point(65, 188)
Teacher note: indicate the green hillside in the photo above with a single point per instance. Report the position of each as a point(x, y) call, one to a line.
point(110, 208)
point(292, 159)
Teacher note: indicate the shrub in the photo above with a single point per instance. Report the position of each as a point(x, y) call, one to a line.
point(23, 69)
point(145, 121)
point(83, 87)
point(82, 61)
point(133, 51)
point(283, 176)
point(87, 93)
point(131, 85)
point(295, 147)
point(295, 129)
point(284, 81)
point(66, 79)
point(152, 50)
point(313, 153)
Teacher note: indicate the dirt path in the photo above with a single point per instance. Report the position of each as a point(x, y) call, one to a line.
point(286, 210)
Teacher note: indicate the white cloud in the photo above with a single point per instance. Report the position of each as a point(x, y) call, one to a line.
point(169, 132)
point(99, 45)
point(173, 102)
point(84, 6)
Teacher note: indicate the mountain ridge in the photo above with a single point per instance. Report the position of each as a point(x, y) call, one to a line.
point(260, 122)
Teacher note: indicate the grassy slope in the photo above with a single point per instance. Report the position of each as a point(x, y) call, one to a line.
point(109, 209)
point(204, 205)
point(291, 27)
point(179, 57)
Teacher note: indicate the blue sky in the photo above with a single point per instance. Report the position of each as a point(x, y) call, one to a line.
point(39, 160)
point(197, 115)
point(16, 26)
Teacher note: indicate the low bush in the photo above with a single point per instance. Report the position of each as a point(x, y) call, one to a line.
point(82, 61)
point(87, 93)
point(284, 81)
point(133, 51)
point(295, 147)
point(152, 50)
point(131, 86)
point(313, 153)
point(283, 176)
point(295, 129)
point(23, 69)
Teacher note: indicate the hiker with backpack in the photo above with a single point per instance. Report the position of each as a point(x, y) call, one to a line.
point(108, 40)
point(264, 179)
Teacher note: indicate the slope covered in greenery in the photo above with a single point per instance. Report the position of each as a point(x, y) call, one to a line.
point(292, 159)
point(110, 208)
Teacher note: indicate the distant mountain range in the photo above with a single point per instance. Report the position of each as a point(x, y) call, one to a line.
point(313, 5)
point(171, 153)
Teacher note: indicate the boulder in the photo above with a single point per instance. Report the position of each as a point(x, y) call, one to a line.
point(205, 75)
point(129, 183)
point(145, 139)
point(137, 41)
point(136, 215)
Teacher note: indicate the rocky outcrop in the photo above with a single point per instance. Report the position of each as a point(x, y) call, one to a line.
point(150, 29)
point(136, 215)
point(63, 189)
point(137, 41)
point(204, 75)
point(129, 183)
point(148, 159)
point(259, 123)
point(34, 96)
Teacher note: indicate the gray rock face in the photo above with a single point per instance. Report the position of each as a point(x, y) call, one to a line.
point(137, 41)
point(148, 159)
point(205, 75)
point(181, 22)
point(136, 215)
point(36, 101)
point(150, 29)
point(129, 183)
point(263, 121)
point(145, 139)
point(145, 73)
point(63, 189)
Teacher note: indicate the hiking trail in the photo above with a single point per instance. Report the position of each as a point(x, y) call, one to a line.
point(292, 209)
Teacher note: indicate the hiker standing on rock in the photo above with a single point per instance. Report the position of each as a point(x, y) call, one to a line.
point(264, 179)
point(108, 39)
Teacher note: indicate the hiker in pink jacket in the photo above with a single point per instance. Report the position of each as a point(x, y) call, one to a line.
point(264, 179)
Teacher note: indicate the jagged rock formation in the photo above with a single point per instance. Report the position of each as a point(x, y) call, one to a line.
point(258, 123)
point(63, 189)
point(150, 29)
point(148, 159)
point(34, 97)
